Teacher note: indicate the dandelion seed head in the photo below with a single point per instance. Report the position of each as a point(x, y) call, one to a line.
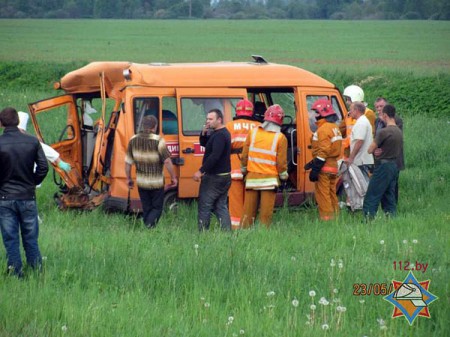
point(64, 328)
point(312, 307)
point(325, 326)
point(362, 301)
point(332, 263)
point(312, 293)
point(270, 293)
point(44, 258)
point(381, 321)
point(196, 246)
point(335, 291)
point(340, 308)
point(207, 305)
point(295, 303)
point(241, 332)
point(405, 242)
point(323, 301)
point(381, 242)
point(293, 258)
point(231, 319)
point(415, 241)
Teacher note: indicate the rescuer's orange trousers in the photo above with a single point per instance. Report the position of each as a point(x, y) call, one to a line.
point(326, 197)
point(266, 201)
point(236, 202)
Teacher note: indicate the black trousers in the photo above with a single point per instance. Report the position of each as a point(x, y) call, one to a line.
point(152, 205)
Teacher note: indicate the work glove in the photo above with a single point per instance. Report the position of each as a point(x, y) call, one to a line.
point(308, 165)
point(64, 166)
point(316, 166)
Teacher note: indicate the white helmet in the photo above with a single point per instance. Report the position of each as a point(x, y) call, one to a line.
point(355, 93)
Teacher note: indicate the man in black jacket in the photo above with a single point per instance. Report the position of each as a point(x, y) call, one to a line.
point(18, 210)
point(215, 173)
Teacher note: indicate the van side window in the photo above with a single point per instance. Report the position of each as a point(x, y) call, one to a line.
point(169, 116)
point(311, 114)
point(195, 109)
point(337, 109)
point(144, 106)
point(310, 99)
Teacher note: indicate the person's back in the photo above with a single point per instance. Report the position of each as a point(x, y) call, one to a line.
point(23, 148)
point(18, 209)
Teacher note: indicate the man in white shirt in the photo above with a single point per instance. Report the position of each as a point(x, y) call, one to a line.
point(360, 139)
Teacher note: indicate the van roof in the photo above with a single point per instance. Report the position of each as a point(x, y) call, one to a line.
point(213, 74)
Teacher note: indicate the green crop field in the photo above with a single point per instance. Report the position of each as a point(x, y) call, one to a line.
point(105, 275)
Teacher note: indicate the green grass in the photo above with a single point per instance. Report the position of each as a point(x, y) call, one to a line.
point(105, 275)
point(418, 46)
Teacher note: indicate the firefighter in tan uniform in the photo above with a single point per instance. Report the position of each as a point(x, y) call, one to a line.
point(239, 127)
point(352, 94)
point(264, 163)
point(326, 149)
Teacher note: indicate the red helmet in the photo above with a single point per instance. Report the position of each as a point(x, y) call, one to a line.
point(244, 108)
point(274, 113)
point(323, 107)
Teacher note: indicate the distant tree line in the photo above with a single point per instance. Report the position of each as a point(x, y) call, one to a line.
point(228, 9)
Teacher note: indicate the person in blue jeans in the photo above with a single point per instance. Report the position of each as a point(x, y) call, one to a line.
point(18, 210)
point(381, 187)
point(215, 173)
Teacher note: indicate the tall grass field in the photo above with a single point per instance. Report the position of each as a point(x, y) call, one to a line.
point(106, 275)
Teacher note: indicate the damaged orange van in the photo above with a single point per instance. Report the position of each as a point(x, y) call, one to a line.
point(102, 105)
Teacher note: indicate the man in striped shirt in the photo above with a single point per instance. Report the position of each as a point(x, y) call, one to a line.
point(148, 151)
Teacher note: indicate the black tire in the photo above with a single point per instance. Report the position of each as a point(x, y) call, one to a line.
point(171, 201)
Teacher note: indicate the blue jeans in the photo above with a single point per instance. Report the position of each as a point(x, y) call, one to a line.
point(152, 205)
point(381, 189)
point(20, 216)
point(213, 198)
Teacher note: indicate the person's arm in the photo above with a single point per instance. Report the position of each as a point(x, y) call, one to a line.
point(282, 158)
point(204, 136)
point(244, 155)
point(54, 157)
point(372, 147)
point(41, 165)
point(128, 162)
point(355, 151)
point(5, 167)
point(169, 166)
point(128, 175)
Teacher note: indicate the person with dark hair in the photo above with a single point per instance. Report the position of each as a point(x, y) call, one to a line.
point(382, 183)
point(380, 102)
point(18, 210)
point(215, 173)
point(148, 151)
point(326, 146)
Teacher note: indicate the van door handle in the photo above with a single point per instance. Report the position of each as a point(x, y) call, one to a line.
point(188, 150)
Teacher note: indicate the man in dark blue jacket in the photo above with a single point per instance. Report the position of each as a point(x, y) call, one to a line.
point(18, 211)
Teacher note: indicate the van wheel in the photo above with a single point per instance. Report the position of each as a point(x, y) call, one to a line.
point(171, 201)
